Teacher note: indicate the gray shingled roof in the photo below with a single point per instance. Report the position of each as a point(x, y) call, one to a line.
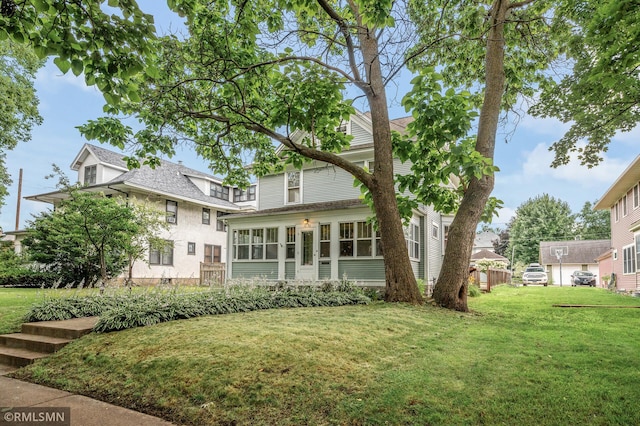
point(107, 156)
point(579, 251)
point(489, 255)
point(168, 178)
point(299, 208)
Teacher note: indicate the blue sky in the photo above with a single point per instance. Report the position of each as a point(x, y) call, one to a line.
point(521, 154)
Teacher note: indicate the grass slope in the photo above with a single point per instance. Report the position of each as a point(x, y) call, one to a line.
point(514, 360)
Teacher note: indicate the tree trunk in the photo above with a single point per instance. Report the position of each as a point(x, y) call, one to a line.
point(450, 290)
point(401, 283)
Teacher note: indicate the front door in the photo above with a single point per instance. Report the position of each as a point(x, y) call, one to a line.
point(306, 259)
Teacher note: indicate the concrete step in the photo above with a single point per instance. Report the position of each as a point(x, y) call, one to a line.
point(33, 342)
point(39, 339)
point(17, 357)
point(66, 329)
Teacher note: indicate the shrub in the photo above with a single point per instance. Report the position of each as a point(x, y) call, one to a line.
point(474, 291)
point(121, 311)
point(26, 278)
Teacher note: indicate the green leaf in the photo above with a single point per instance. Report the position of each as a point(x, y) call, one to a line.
point(62, 64)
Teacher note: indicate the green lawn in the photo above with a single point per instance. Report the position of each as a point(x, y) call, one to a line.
point(515, 360)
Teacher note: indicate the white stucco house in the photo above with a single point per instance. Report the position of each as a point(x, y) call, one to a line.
point(194, 203)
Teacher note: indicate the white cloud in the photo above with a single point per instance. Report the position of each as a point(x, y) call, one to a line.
point(537, 164)
point(51, 79)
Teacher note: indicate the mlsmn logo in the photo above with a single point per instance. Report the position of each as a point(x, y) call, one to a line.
point(30, 416)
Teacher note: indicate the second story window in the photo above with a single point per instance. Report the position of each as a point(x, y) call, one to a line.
point(219, 191)
point(244, 195)
point(220, 225)
point(293, 187)
point(90, 174)
point(172, 212)
point(206, 216)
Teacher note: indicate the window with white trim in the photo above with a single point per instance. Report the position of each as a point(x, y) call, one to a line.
point(637, 237)
point(172, 212)
point(364, 243)
point(293, 187)
point(255, 244)
point(358, 239)
point(241, 244)
point(412, 236)
point(325, 240)
point(435, 230)
point(163, 256)
point(191, 248)
point(629, 259)
point(636, 196)
point(90, 174)
point(624, 206)
point(616, 211)
point(291, 242)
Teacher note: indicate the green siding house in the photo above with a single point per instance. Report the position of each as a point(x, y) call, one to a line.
point(310, 225)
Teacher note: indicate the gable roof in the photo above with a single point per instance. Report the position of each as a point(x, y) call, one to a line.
point(364, 120)
point(104, 156)
point(489, 255)
point(168, 179)
point(627, 180)
point(579, 251)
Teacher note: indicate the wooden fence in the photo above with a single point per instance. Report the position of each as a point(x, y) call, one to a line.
point(493, 277)
point(212, 273)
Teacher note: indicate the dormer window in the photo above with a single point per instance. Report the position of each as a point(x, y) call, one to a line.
point(219, 191)
point(244, 195)
point(90, 174)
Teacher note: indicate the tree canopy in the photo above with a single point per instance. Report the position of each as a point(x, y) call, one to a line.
point(600, 95)
point(19, 108)
point(593, 224)
point(89, 237)
point(542, 218)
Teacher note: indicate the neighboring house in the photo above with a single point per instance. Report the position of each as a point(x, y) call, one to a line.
point(311, 225)
point(605, 266)
point(15, 238)
point(193, 203)
point(484, 241)
point(575, 255)
point(489, 255)
point(622, 199)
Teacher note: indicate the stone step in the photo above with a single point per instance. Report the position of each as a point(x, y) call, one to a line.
point(17, 357)
point(66, 329)
point(33, 342)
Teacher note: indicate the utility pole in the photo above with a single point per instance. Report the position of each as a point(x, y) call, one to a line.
point(18, 203)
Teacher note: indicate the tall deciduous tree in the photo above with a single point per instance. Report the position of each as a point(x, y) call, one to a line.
point(19, 110)
point(593, 224)
point(256, 71)
point(542, 218)
point(601, 94)
point(502, 47)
